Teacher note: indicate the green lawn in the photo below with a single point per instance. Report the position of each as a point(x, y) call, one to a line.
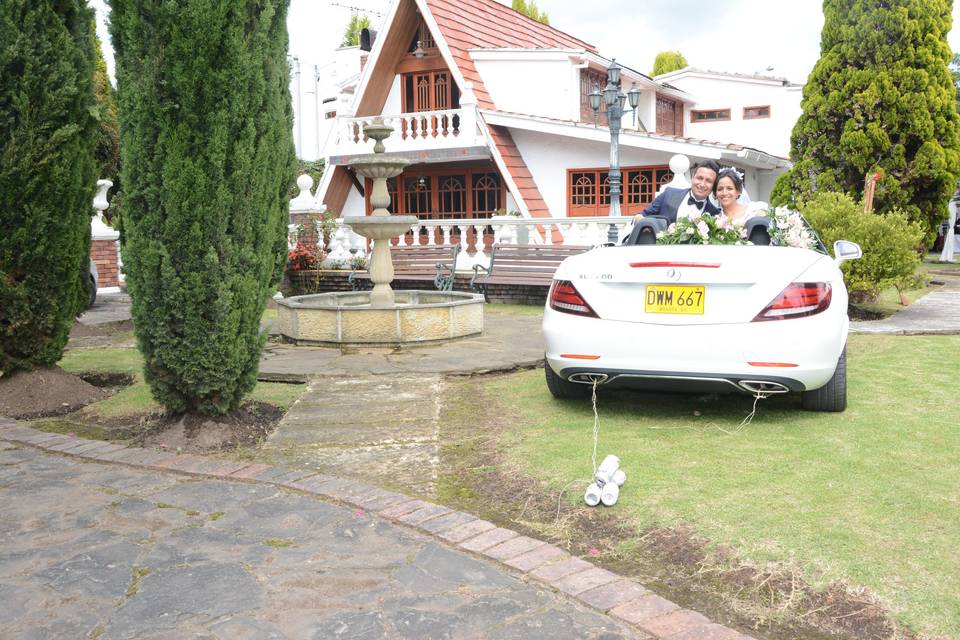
point(870, 496)
point(513, 309)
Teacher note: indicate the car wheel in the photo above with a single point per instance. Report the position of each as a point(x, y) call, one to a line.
point(92, 298)
point(831, 396)
point(564, 390)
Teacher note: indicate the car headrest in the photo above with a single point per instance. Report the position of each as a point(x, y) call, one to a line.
point(645, 230)
point(758, 230)
point(660, 222)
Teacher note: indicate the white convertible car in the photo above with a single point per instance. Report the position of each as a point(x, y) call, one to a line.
point(701, 318)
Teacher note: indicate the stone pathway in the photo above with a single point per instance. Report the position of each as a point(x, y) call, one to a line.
point(109, 308)
point(103, 541)
point(938, 312)
point(384, 429)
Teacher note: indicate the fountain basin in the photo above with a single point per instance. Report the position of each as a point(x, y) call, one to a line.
point(348, 318)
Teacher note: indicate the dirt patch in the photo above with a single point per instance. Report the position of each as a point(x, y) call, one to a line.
point(109, 380)
point(772, 601)
point(248, 426)
point(45, 392)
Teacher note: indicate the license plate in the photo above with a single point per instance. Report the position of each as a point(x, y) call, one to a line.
point(674, 299)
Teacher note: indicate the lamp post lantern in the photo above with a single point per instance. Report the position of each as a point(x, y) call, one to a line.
point(616, 101)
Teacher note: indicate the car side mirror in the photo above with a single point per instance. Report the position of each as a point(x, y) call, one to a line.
point(844, 250)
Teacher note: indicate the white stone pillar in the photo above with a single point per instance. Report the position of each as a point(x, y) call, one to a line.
point(104, 243)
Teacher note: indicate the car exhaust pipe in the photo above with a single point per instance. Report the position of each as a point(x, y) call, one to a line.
point(589, 378)
point(763, 386)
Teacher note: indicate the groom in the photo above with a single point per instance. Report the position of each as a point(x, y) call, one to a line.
point(673, 200)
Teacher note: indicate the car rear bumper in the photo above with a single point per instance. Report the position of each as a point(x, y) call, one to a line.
point(788, 355)
point(679, 381)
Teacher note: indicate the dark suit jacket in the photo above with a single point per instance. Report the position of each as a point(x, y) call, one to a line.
point(667, 203)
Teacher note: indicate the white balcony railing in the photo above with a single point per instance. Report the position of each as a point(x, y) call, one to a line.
point(478, 235)
point(424, 130)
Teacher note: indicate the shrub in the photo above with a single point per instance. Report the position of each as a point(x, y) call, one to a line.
point(47, 175)
point(889, 241)
point(304, 257)
point(206, 159)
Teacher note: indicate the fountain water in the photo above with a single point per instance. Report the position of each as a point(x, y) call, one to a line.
point(381, 316)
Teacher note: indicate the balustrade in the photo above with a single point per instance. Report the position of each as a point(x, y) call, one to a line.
point(478, 235)
point(412, 131)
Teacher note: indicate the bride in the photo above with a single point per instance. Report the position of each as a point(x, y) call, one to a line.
point(728, 189)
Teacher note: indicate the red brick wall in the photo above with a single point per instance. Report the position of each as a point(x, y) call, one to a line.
point(104, 255)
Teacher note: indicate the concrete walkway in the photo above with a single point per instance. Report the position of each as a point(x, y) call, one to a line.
point(938, 312)
point(103, 541)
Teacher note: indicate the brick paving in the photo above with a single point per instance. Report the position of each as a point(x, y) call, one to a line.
point(203, 571)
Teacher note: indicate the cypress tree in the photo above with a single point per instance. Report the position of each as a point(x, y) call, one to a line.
point(667, 61)
point(47, 175)
point(206, 159)
point(880, 99)
point(108, 131)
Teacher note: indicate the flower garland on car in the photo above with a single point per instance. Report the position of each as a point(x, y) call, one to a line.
point(702, 229)
point(789, 229)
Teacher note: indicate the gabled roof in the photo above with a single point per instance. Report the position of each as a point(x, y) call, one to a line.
point(478, 24)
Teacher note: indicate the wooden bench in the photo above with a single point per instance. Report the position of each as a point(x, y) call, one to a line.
point(522, 264)
point(418, 263)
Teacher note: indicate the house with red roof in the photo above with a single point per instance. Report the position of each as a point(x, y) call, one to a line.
point(492, 109)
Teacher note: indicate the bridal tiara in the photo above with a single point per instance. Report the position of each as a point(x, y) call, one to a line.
point(733, 170)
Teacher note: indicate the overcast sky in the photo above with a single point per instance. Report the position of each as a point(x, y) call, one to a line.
point(725, 35)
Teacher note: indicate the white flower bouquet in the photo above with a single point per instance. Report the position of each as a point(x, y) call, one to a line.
point(789, 229)
point(702, 229)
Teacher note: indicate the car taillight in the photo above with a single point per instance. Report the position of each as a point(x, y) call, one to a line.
point(798, 300)
point(565, 298)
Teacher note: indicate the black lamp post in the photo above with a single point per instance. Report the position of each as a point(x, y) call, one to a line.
point(615, 100)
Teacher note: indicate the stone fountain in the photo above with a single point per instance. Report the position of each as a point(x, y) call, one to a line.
point(381, 317)
point(380, 226)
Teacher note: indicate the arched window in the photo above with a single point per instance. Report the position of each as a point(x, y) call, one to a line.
point(487, 193)
point(416, 191)
point(640, 189)
point(605, 190)
point(453, 196)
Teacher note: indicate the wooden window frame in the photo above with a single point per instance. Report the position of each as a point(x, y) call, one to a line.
point(677, 107)
point(589, 78)
point(695, 112)
point(762, 117)
point(422, 35)
point(436, 175)
point(659, 175)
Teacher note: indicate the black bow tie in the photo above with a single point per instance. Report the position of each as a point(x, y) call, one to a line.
point(695, 202)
